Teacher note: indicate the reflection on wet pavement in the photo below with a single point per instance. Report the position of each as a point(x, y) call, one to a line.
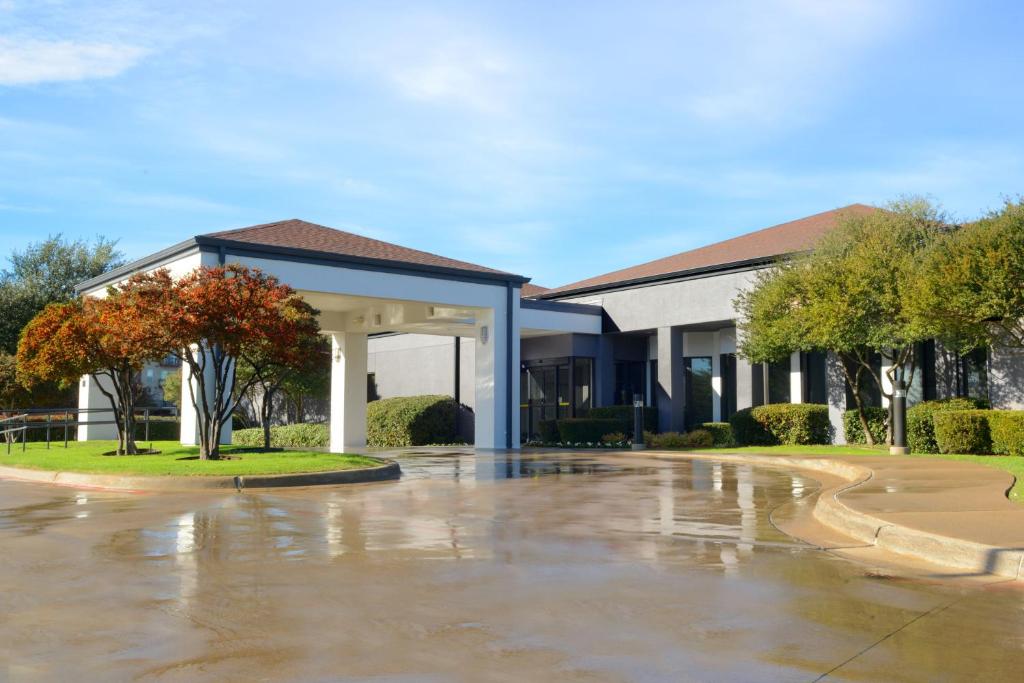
point(473, 567)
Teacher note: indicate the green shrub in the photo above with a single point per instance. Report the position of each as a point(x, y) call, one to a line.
point(548, 430)
point(667, 440)
point(1006, 427)
point(963, 431)
point(921, 421)
point(878, 419)
point(697, 438)
point(300, 435)
point(625, 416)
point(613, 438)
point(411, 421)
point(586, 429)
point(721, 433)
point(782, 423)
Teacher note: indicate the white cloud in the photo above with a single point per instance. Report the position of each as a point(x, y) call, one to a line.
point(28, 61)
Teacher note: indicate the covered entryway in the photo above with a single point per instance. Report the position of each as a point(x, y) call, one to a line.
point(364, 286)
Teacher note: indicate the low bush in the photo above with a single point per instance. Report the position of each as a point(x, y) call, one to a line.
point(300, 435)
point(878, 419)
point(782, 423)
point(921, 421)
point(614, 438)
point(411, 421)
point(1006, 427)
point(625, 416)
point(697, 438)
point(721, 433)
point(574, 430)
point(548, 430)
point(963, 431)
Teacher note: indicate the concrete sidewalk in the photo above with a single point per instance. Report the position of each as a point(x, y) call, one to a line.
point(946, 512)
point(950, 518)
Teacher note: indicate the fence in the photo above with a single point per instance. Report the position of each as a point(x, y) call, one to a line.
point(42, 419)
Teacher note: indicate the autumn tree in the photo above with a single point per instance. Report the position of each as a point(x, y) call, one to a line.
point(970, 287)
point(852, 295)
point(214, 317)
point(109, 338)
point(266, 366)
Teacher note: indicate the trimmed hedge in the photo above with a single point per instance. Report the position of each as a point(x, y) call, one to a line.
point(921, 421)
point(625, 416)
point(586, 429)
point(1006, 427)
point(697, 438)
point(548, 430)
point(300, 435)
point(411, 421)
point(782, 423)
point(878, 419)
point(963, 431)
point(721, 433)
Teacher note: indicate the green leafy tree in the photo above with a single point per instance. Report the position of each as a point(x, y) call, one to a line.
point(171, 387)
point(47, 272)
point(266, 366)
point(852, 295)
point(971, 283)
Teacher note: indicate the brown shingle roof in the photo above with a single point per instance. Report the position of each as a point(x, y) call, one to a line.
point(530, 290)
point(298, 234)
point(787, 238)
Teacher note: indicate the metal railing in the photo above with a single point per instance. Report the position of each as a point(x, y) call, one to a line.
point(29, 418)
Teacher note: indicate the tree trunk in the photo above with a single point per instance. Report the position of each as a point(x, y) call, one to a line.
point(854, 383)
point(266, 410)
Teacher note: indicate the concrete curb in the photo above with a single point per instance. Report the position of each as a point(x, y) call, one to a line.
point(388, 470)
point(948, 551)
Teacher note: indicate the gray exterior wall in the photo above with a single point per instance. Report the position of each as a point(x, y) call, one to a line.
point(414, 364)
point(687, 302)
point(1006, 379)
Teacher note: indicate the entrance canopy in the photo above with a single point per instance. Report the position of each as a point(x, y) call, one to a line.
point(364, 286)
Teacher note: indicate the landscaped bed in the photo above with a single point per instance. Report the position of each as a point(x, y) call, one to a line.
point(87, 457)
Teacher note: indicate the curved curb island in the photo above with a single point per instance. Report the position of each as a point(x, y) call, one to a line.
point(875, 530)
point(388, 470)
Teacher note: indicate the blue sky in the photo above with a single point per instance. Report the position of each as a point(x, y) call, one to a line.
point(557, 140)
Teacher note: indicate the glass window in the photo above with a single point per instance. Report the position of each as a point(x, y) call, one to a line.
point(815, 386)
point(697, 390)
point(629, 380)
point(728, 370)
point(771, 379)
point(974, 374)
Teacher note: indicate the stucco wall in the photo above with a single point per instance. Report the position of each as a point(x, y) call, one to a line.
point(413, 364)
point(686, 302)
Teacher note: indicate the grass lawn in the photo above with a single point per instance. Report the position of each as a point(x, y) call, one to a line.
point(87, 456)
point(1012, 464)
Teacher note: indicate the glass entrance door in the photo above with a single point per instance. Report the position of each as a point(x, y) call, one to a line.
point(546, 396)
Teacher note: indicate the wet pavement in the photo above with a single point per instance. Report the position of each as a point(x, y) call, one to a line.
point(544, 567)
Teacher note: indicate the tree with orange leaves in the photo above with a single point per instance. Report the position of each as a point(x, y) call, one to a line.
point(214, 317)
point(109, 338)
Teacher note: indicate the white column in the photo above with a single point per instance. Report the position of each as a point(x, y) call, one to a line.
point(796, 383)
point(189, 415)
point(716, 377)
point(90, 397)
point(886, 384)
point(348, 391)
point(496, 363)
point(835, 383)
